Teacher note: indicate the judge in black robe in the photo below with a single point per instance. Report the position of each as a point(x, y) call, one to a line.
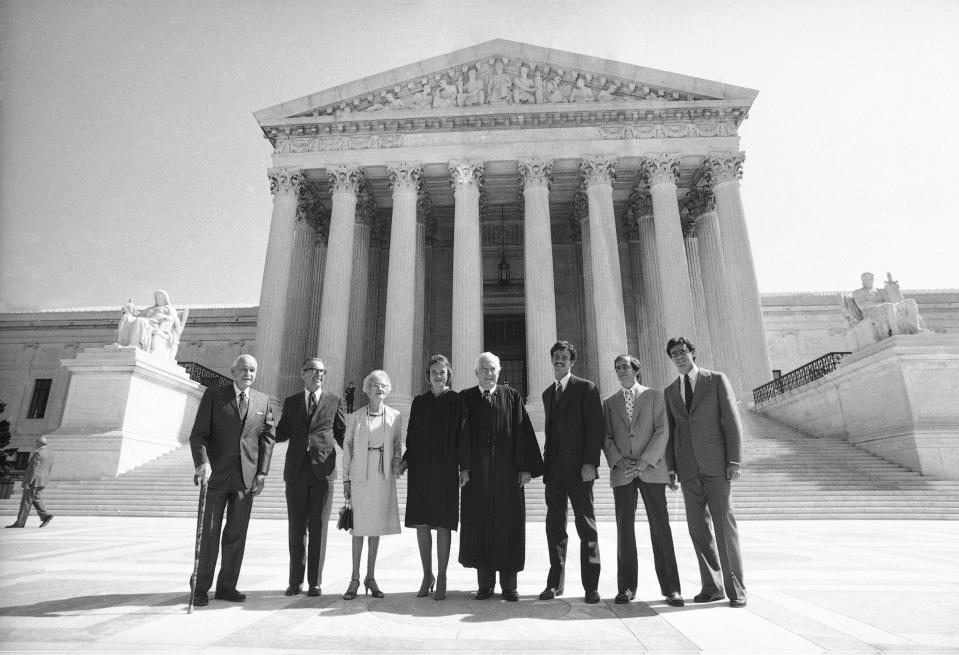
point(504, 455)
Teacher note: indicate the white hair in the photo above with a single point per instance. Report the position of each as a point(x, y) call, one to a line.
point(375, 374)
point(243, 356)
point(490, 356)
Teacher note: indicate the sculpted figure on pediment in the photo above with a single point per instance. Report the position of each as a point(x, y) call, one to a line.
point(524, 89)
point(445, 95)
point(606, 95)
point(499, 88)
point(472, 92)
point(422, 98)
point(539, 89)
point(554, 90)
point(582, 93)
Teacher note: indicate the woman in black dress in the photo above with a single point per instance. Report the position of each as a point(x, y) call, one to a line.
point(438, 464)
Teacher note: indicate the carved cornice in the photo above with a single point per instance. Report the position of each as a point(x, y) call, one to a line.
point(285, 180)
point(345, 179)
point(466, 173)
point(698, 201)
point(535, 173)
point(404, 176)
point(661, 168)
point(597, 170)
point(722, 167)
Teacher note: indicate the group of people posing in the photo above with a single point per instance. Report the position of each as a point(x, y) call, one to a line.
point(468, 457)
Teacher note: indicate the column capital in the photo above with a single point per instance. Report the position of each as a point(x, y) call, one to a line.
point(698, 201)
point(661, 168)
point(404, 176)
point(285, 180)
point(535, 172)
point(424, 214)
point(466, 173)
point(345, 179)
point(597, 170)
point(580, 213)
point(365, 204)
point(640, 204)
point(722, 167)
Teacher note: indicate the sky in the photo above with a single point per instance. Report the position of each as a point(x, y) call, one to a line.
point(130, 159)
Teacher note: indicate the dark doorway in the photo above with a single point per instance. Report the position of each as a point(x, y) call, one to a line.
point(505, 337)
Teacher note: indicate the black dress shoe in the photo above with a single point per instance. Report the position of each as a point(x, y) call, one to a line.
point(13, 525)
point(737, 602)
point(592, 597)
point(511, 596)
point(708, 598)
point(483, 594)
point(46, 521)
point(201, 599)
point(624, 597)
point(231, 595)
point(675, 600)
point(292, 590)
point(550, 593)
point(313, 591)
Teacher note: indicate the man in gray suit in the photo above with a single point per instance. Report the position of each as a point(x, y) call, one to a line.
point(35, 478)
point(705, 450)
point(635, 447)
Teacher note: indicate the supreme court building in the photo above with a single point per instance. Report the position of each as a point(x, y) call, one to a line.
point(499, 198)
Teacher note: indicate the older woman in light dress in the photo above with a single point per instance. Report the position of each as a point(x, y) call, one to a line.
point(372, 450)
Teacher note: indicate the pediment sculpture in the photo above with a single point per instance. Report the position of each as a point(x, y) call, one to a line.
point(155, 329)
point(876, 314)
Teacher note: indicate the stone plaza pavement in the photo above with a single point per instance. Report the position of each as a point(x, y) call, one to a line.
point(109, 585)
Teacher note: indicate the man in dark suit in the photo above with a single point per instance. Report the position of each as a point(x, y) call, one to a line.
point(232, 442)
point(312, 420)
point(635, 447)
point(574, 437)
point(35, 478)
point(705, 450)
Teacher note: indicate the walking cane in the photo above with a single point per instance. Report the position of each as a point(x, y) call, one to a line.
point(199, 535)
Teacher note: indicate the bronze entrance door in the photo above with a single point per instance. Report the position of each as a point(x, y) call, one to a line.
point(505, 337)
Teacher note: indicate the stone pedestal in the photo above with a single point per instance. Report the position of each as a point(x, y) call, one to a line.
point(895, 398)
point(124, 408)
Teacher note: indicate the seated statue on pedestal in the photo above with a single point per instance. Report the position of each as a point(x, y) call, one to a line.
point(885, 310)
point(155, 329)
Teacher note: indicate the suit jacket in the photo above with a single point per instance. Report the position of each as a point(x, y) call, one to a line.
point(220, 437)
point(644, 438)
point(356, 442)
point(574, 427)
point(709, 436)
point(312, 435)
point(38, 468)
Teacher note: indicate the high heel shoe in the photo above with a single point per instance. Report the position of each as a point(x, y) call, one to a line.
point(426, 587)
point(372, 589)
point(351, 590)
point(440, 588)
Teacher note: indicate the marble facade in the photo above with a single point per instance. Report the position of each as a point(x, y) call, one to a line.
point(609, 194)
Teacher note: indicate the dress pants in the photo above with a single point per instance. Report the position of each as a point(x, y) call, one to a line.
point(237, 506)
point(486, 579)
point(708, 508)
point(32, 498)
point(308, 505)
point(580, 496)
point(660, 535)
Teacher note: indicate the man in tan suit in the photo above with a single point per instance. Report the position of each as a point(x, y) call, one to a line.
point(35, 478)
point(705, 450)
point(635, 447)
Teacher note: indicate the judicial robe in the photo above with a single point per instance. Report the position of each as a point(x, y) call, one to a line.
point(493, 505)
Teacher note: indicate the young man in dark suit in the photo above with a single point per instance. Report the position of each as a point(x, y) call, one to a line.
point(705, 450)
point(574, 438)
point(312, 420)
point(232, 443)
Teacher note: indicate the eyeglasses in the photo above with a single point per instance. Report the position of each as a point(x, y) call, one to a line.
point(314, 371)
point(384, 387)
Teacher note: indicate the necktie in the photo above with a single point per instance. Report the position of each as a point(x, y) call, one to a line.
point(312, 404)
point(628, 395)
point(244, 405)
point(688, 390)
point(487, 397)
point(559, 391)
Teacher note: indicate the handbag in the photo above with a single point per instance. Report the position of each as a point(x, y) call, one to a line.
point(345, 521)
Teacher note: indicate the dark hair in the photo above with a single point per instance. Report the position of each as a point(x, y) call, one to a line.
point(440, 359)
point(310, 359)
point(564, 345)
point(680, 341)
point(629, 359)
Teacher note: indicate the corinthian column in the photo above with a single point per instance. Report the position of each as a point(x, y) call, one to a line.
point(358, 341)
point(725, 171)
point(337, 282)
point(659, 367)
point(400, 330)
point(271, 316)
point(679, 319)
point(322, 228)
point(466, 178)
point(536, 176)
point(597, 175)
point(719, 298)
